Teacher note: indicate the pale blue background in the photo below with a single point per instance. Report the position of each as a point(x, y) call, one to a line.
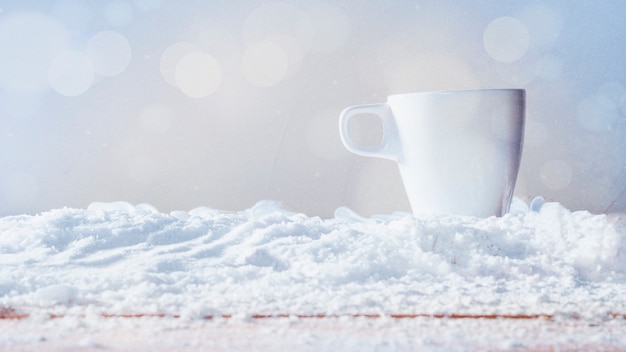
point(135, 137)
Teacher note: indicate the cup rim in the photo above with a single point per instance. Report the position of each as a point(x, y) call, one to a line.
point(466, 91)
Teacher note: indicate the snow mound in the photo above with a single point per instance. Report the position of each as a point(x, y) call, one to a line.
point(118, 258)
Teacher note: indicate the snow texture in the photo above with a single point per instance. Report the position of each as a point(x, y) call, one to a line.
point(116, 258)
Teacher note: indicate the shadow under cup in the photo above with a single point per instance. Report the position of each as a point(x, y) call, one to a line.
point(458, 152)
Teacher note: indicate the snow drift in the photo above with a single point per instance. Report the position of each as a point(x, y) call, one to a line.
point(117, 258)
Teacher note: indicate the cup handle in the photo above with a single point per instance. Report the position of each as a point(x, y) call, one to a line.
point(389, 147)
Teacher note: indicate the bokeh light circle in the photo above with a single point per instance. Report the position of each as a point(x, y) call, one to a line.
point(556, 174)
point(506, 39)
point(273, 19)
point(264, 64)
point(71, 73)
point(198, 75)
point(170, 58)
point(110, 52)
point(289, 30)
point(28, 42)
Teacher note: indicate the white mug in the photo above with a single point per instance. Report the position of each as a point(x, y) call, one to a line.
point(458, 152)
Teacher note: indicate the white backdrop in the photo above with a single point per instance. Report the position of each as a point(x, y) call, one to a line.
point(224, 103)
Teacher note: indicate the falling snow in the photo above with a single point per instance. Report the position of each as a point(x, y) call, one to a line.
point(226, 104)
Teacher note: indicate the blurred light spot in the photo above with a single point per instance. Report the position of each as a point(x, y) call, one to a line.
point(110, 52)
point(71, 73)
point(198, 75)
point(331, 26)
point(283, 24)
point(156, 118)
point(550, 67)
point(170, 58)
point(292, 50)
point(28, 42)
point(148, 5)
point(75, 15)
point(555, 174)
point(118, 13)
point(277, 19)
point(506, 39)
point(19, 189)
point(597, 113)
point(264, 64)
point(225, 46)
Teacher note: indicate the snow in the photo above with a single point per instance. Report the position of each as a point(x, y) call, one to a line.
point(121, 259)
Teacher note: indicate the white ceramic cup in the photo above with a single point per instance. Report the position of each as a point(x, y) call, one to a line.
point(458, 152)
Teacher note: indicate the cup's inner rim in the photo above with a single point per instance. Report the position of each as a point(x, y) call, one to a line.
point(468, 91)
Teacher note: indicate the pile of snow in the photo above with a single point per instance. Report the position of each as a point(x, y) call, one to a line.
point(117, 258)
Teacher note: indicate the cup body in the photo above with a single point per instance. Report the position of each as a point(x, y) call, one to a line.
point(458, 152)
